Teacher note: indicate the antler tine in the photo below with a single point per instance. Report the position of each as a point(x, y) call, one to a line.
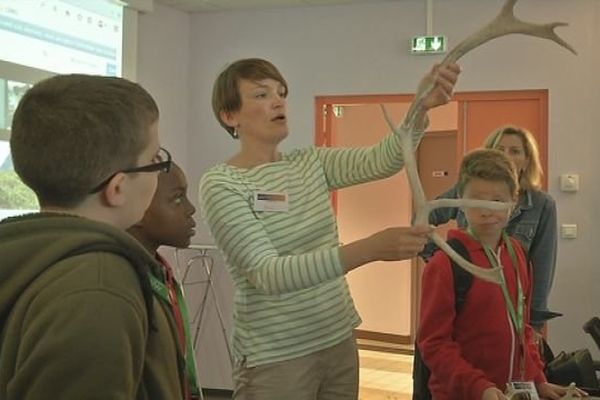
point(546, 31)
point(505, 24)
point(508, 7)
point(388, 119)
point(487, 274)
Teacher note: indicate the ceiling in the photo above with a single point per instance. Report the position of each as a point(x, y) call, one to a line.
point(201, 6)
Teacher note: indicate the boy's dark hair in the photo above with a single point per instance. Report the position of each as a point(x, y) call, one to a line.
point(488, 164)
point(69, 132)
point(226, 90)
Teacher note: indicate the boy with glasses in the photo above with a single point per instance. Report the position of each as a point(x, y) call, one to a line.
point(79, 317)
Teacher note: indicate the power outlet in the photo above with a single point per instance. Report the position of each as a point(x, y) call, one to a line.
point(568, 231)
point(569, 182)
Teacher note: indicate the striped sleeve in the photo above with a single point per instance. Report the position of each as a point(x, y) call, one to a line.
point(227, 211)
point(350, 166)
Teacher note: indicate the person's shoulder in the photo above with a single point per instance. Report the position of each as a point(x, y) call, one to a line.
point(540, 197)
point(462, 236)
point(219, 170)
point(439, 260)
point(455, 235)
point(219, 175)
point(100, 269)
point(438, 269)
point(97, 274)
point(74, 256)
point(541, 202)
point(302, 154)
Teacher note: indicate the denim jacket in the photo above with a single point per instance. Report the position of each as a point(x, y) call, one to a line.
point(533, 223)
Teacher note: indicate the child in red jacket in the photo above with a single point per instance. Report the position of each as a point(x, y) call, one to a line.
point(474, 354)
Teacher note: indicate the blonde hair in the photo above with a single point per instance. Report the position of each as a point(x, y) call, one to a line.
point(531, 177)
point(490, 165)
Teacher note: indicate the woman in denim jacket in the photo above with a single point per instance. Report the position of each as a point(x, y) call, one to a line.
point(533, 220)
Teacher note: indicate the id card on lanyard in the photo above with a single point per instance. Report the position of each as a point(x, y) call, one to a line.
point(173, 295)
point(521, 391)
point(515, 311)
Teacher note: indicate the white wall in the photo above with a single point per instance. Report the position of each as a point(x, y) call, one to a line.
point(164, 70)
point(362, 49)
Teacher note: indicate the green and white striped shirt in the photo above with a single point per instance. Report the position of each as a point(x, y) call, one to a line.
point(291, 296)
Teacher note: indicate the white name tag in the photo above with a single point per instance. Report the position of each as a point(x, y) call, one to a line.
point(521, 391)
point(271, 201)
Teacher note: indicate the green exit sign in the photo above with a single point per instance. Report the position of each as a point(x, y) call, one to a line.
point(428, 45)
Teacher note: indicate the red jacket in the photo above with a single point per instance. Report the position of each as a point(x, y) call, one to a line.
point(471, 351)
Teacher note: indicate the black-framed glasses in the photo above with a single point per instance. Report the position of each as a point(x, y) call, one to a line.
point(161, 163)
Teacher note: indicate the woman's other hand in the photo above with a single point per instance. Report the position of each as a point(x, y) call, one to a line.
point(391, 244)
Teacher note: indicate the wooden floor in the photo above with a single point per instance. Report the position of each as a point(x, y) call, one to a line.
point(385, 376)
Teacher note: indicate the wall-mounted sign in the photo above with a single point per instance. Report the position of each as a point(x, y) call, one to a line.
point(428, 45)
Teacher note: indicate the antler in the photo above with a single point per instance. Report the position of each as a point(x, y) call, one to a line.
point(504, 24)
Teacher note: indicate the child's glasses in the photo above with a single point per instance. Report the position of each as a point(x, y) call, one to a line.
point(162, 163)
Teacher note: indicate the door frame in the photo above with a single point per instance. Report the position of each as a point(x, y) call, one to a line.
point(324, 137)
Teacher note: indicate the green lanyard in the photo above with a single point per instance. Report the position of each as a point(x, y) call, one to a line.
point(161, 290)
point(515, 315)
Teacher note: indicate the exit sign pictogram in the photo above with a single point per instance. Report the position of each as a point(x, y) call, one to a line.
point(428, 45)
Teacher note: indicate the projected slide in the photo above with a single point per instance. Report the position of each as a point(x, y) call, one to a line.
point(10, 92)
point(63, 36)
point(15, 197)
point(57, 36)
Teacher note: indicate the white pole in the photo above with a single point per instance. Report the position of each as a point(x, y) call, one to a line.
point(429, 11)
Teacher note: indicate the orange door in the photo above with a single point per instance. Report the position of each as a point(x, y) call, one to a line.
point(482, 112)
point(438, 170)
point(381, 298)
point(368, 208)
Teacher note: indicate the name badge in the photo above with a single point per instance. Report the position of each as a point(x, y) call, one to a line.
point(271, 201)
point(521, 391)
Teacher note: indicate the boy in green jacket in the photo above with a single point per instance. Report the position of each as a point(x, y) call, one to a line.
point(78, 316)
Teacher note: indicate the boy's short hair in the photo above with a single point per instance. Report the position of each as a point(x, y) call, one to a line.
point(69, 132)
point(490, 165)
point(226, 90)
point(531, 178)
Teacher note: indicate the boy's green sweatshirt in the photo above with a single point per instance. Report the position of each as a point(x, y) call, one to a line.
point(74, 314)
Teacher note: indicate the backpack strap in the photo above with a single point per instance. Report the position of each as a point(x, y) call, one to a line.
point(462, 278)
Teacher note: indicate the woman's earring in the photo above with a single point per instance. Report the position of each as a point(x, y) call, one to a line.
point(235, 134)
